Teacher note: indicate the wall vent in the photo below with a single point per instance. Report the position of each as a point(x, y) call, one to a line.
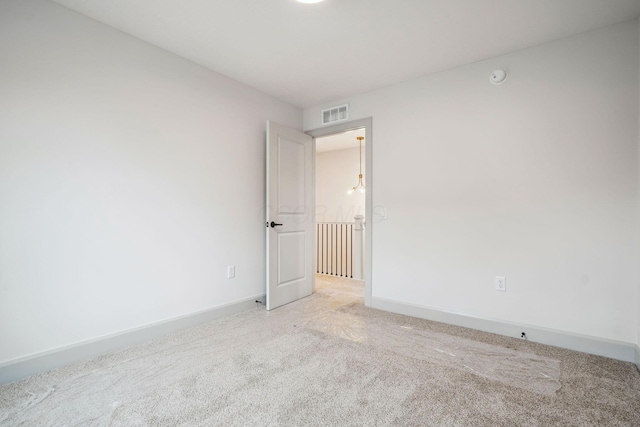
point(335, 114)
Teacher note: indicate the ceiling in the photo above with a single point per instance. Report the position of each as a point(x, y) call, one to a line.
point(309, 54)
point(340, 141)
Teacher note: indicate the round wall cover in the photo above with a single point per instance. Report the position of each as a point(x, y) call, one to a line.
point(498, 77)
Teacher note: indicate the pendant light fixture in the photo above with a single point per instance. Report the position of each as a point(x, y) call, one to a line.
point(360, 186)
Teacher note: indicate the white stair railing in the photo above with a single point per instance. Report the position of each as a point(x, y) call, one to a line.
point(339, 248)
point(358, 246)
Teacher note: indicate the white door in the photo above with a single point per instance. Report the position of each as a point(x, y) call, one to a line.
point(290, 215)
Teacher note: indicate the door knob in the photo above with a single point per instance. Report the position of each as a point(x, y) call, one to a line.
point(274, 224)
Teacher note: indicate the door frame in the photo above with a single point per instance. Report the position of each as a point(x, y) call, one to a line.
point(367, 124)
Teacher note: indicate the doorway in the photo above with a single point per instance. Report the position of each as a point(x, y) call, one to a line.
point(340, 211)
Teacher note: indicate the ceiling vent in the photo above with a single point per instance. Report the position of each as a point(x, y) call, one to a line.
point(335, 114)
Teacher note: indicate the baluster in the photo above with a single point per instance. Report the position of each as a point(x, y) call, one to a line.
point(351, 247)
point(321, 248)
point(340, 246)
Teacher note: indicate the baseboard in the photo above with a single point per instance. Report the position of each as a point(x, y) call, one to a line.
point(637, 359)
point(17, 369)
point(619, 350)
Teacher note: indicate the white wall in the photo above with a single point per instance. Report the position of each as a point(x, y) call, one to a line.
point(336, 173)
point(129, 179)
point(535, 180)
point(638, 225)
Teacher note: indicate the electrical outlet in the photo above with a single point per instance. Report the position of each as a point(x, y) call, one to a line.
point(501, 283)
point(231, 272)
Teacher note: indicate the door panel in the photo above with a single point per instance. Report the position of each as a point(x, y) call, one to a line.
point(290, 206)
point(291, 165)
point(291, 268)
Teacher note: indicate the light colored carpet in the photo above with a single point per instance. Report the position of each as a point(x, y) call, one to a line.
point(328, 360)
